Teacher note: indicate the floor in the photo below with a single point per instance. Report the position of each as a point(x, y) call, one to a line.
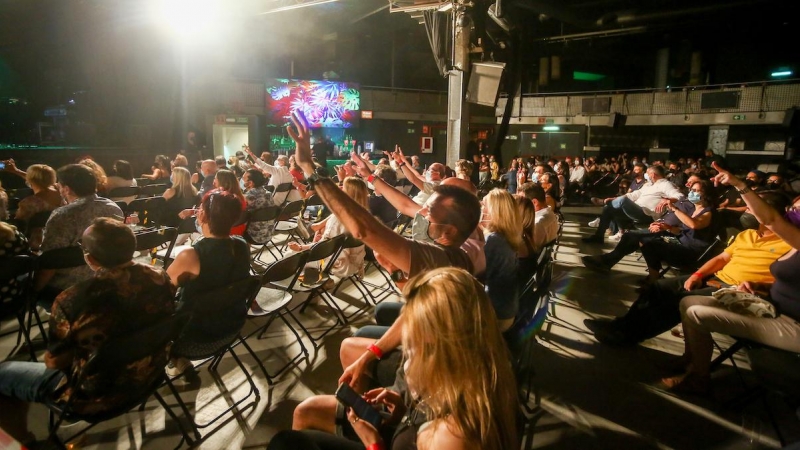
point(591, 395)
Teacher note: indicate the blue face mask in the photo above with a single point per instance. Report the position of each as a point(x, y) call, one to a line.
point(694, 197)
point(241, 184)
point(647, 177)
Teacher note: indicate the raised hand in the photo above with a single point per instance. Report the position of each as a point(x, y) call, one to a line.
point(726, 178)
point(302, 139)
point(361, 166)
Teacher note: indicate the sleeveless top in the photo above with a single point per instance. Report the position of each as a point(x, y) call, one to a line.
point(785, 292)
point(700, 239)
point(222, 261)
point(175, 205)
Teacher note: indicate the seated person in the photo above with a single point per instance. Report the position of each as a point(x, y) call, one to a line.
point(702, 315)
point(78, 186)
point(656, 310)
point(527, 253)
point(258, 197)
point(350, 260)
point(213, 262)
point(641, 206)
point(12, 243)
point(546, 229)
point(675, 244)
point(181, 195)
point(121, 297)
point(161, 170)
point(226, 181)
point(455, 384)
point(122, 177)
point(502, 230)
point(42, 180)
point(550, 191)
point(379, 206)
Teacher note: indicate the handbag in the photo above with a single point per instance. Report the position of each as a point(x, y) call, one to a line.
point(744, 303)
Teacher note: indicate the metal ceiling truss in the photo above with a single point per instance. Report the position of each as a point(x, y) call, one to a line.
point(415, 6)
point(288, 5)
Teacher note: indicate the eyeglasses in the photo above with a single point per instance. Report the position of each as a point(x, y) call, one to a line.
point(83, 249)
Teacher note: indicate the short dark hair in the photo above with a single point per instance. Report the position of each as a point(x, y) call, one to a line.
point(222, 209)
point(386, 173)
point(659, 170)
point(110, 242)
point(123, 169)
point(220, 161)
point(533, 192)
point(463, 209)
point(79, 178)
point(256, 177)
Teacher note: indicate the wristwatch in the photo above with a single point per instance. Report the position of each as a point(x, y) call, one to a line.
point(314, 177)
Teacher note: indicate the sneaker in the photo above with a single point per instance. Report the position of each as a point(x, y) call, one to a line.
point(616, 237)
point(595, 223)
point(177, 367)
point(598, 201)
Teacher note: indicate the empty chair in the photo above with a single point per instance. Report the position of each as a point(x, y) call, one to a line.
point(126, 193)
point(287, 224)
point(148, 209)
point(217, 318)
point(153, 241)
point(273, 301)
point(357, 279)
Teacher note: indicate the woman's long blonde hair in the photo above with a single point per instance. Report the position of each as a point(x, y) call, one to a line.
point(527, 216)
point(504, 216)
point(460, 366)
point(182, 183)
point(357, 190)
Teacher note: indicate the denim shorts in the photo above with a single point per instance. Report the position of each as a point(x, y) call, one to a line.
point(28, 381)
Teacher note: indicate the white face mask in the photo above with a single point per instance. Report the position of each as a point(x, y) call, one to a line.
point(428, 176)
point(647, 177)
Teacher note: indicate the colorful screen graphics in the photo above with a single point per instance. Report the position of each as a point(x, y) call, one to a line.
point(328, 104)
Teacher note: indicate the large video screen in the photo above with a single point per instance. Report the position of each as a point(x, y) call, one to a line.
point(328, 104)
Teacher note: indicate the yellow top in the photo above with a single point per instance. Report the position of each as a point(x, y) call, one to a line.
point(751, 256)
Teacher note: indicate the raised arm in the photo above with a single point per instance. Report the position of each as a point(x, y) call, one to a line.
point(397, 198)
point(765, 214)
point(411, 173)
point(355, 218)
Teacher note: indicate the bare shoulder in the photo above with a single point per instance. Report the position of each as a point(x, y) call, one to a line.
point(442, 434)
point(186, 266)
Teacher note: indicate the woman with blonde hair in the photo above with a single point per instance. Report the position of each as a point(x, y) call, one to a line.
point(502, 230)
point(42, 179)
point(350, 260)
point(182, 195)
point(458, 372)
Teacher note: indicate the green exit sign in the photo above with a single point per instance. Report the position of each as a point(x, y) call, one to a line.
point(739, 117)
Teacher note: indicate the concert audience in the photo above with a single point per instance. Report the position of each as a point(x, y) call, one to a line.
point(122, 177)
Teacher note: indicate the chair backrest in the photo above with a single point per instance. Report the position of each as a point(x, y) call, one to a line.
point(149, 209)
point(187, 225)
point(264, 214)
point(61, 258)
point(284, 187)
point(142, 181)
point(314, 200)
point(351, 242)
point(16, 266)
point(288, 268)
point(20, 193)
point(270, 188)
point(328, 249)
point(152, 239)
point(152, 189)
point(292, 209)
point(38, 220)
point(124, 191)
point(222, 310)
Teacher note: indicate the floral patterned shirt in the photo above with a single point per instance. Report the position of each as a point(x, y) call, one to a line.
point(258, 198)
point(113, 303)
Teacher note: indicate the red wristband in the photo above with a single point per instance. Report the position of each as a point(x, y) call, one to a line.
point(376, 446)
point(371, 178)
point(699, 274)
point(375, 351)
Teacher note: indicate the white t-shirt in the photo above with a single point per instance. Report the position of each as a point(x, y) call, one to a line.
point(545, 229)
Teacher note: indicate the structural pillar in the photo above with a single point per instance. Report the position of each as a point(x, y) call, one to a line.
point(457, 107)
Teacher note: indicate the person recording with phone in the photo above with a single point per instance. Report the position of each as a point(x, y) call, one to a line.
point(448, 397)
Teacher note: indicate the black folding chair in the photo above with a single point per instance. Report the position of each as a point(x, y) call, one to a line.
point(206, 338)
point(283, 189)
point(273, 301)
point(122, 192)
point(18, 268)
point(387, 289)
point(149, 210)
point(152, 190)
point(55, 259)
point(153, 241)
point(36, 222)
point(263, 215)
point(143, 181)
point(326, 251)
point(287, 224)
point(118, 353)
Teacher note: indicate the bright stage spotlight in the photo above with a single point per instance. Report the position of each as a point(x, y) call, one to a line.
point(187, 20)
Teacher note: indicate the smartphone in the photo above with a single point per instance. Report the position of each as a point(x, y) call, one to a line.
point(348, 397)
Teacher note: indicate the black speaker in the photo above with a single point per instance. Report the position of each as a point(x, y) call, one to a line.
point(791, 119)
point(616, 120)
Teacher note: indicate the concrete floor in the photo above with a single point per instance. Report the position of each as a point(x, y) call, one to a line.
point(591, 395)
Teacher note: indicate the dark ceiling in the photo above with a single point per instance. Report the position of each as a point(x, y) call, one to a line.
point(52, 51)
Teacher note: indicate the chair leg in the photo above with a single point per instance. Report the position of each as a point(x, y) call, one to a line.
point(174, 417)
point(184, 409)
